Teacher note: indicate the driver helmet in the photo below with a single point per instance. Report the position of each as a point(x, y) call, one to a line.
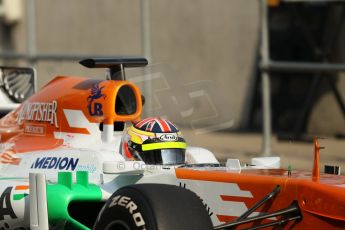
point(155, 141)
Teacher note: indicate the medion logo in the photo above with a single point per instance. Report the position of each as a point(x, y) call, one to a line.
point(39, 111)
point(60, 163)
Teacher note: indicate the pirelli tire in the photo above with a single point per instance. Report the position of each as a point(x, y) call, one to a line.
point(153, 207)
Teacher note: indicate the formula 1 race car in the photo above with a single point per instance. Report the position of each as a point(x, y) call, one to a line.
point(63, 167)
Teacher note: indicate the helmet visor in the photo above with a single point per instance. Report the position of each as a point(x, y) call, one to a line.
point(163, 156)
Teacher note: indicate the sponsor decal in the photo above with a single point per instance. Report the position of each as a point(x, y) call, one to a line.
point(61, 163)
point(95, 109)
point(20, 192)
point(33, 129)
point(5, 204)
point(89, 168)
point(126, 202)
point(168, 137)
point(39, 111)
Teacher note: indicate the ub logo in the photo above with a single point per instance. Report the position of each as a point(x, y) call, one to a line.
point(95, 109)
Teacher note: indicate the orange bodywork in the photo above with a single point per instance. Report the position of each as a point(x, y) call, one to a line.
point(316, 166)
point(322, 203)
point(34, 124)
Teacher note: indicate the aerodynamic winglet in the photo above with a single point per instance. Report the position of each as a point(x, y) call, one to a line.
point(114, 62)
point(116, 65)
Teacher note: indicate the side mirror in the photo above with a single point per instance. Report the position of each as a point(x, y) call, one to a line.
point(266, 162)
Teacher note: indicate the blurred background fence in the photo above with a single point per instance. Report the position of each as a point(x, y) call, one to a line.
point(214, 65)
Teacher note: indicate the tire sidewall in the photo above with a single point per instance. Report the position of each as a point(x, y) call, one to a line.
point(154, 206)
point(128, 206)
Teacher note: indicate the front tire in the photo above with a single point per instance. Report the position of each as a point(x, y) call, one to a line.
point(153, 207)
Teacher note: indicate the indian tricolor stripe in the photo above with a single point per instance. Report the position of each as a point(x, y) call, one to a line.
point(21, 187)
point(19, 192)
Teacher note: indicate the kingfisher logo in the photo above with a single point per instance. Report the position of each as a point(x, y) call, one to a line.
point(39, 111)
point(95, 109)
point(61, 163)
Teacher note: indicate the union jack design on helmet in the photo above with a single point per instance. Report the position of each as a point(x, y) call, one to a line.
point(155, 141)
point(156, 125)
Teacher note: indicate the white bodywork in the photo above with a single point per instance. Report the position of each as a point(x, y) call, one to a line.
point(38, 202)
point(108, 169)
